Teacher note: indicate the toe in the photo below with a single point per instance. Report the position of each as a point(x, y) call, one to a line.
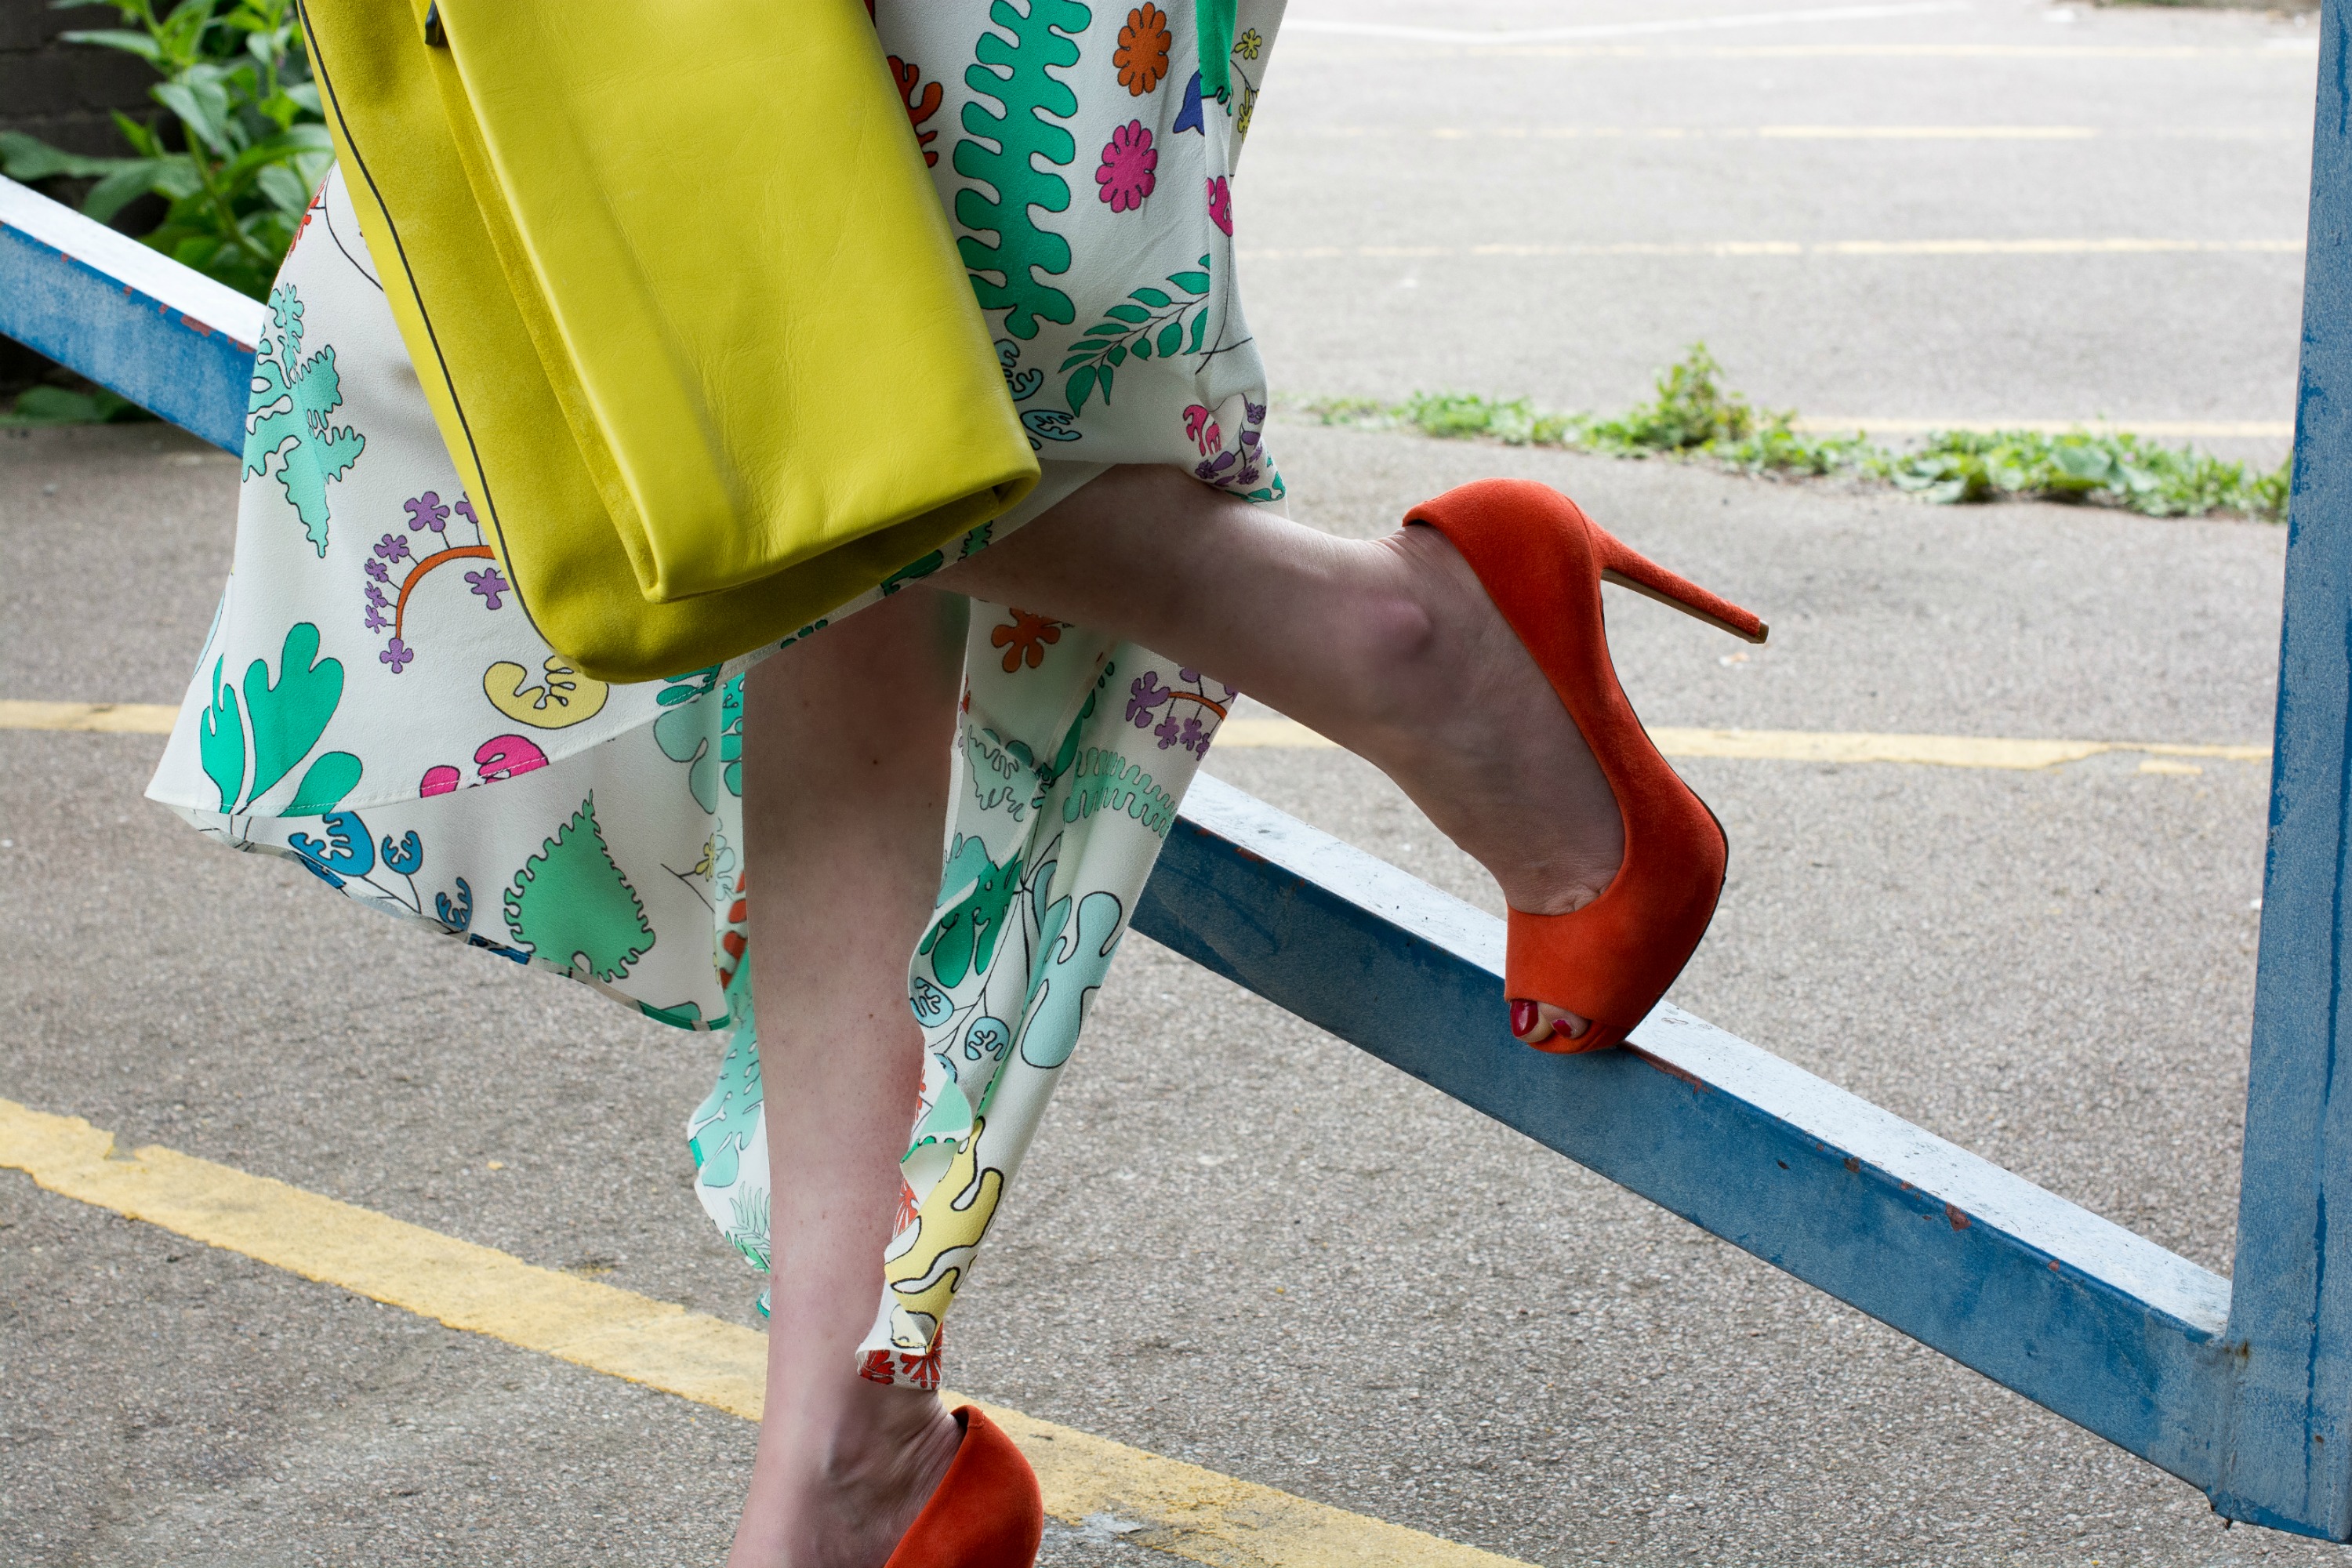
point(1536, 1023)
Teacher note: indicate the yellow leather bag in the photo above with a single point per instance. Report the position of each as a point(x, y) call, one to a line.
point(683, 301)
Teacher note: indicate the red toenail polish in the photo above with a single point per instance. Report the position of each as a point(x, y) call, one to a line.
point(1559, 1030)
point(1523, 1017)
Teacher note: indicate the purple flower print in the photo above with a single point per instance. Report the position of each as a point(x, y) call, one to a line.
point(1194, 740)
point(376, 621)
point(1191, 675)
point(489, 585)
point(393, 547)
point(396, 654)
point(1168, 730)
point(376, 597)
point(379, 570)
point(426, 511)
point(1127, 174)
point(466, 510)
point(1220, 204)
point(1145, 693)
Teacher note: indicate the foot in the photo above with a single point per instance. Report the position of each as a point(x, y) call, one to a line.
point(1455, 710)
point(843, 1500)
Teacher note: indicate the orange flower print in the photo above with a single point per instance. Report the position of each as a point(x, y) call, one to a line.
point(920, 106)
point(1142, 53)
point(1025, 637)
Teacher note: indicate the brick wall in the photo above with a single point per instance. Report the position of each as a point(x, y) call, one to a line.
point(63, 93)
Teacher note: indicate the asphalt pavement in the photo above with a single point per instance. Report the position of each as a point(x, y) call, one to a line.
point(1239, 1242)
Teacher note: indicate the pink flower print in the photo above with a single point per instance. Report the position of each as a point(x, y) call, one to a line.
point(396, 654)
point(489, 585)
point(439, 779)
point(1220, 204)
point(1126, 175)
point(426, 511)
point(502, 757)
point(1202, 426)
point(392, 547)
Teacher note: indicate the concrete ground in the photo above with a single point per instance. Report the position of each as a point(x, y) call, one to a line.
point(1239, 1242)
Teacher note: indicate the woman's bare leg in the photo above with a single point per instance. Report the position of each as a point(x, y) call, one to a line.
point(1389, 646)
point(846, 744)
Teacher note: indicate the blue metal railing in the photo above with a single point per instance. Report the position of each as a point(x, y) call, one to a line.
point(2244, 1397)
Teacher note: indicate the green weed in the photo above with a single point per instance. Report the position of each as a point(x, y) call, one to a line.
point(1693, 416)
point(39, 406)
point(252, 144)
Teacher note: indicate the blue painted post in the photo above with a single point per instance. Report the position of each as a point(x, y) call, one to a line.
point(132, 320)
point(2286, 1457)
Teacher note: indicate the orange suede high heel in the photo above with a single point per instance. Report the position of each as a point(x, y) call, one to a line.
point(987, 1512)
point(1542, 562)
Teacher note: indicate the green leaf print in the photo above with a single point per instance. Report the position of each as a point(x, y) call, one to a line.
point(220, 742)
point(1212, 21)
point(965, 935)
point(290, 715)
point(749, 1228)
point(291, 399)
point(332, 778)
point(1153, 323)
point(679, 735)
point(720, 1128)
point(1013, 72)
point(571, 905)
point(1057, 997)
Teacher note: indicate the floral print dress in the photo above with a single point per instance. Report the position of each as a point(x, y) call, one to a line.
point(373, 702)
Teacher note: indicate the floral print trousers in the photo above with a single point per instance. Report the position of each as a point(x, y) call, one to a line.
point(373, 702)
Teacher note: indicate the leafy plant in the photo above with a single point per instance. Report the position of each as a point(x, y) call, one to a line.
point(254, 145)
point(1693, 416)
point(44, 405)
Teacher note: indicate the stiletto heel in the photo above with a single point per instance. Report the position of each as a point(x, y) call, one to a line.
point(1542, 562)
point(986, 1512)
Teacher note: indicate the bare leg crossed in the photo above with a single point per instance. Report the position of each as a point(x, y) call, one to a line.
point(1390, 648)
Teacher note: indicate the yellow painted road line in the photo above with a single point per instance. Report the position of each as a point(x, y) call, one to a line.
point(1788, 248)
point(1793, 132)
point(1744, 247)
point(1818, 746)
point(1185, 1511)
point(2175, 430)
point(2296, 50)
point(1770, 745)
point(111, 718)
point(1926, 132)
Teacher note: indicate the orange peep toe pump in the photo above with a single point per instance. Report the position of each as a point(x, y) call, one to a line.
point(986, 1513)
point(1542, 562)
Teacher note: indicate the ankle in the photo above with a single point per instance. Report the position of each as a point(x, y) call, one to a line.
point(879, 1435)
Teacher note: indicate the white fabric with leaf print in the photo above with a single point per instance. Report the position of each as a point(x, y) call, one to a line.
point(373, 702)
